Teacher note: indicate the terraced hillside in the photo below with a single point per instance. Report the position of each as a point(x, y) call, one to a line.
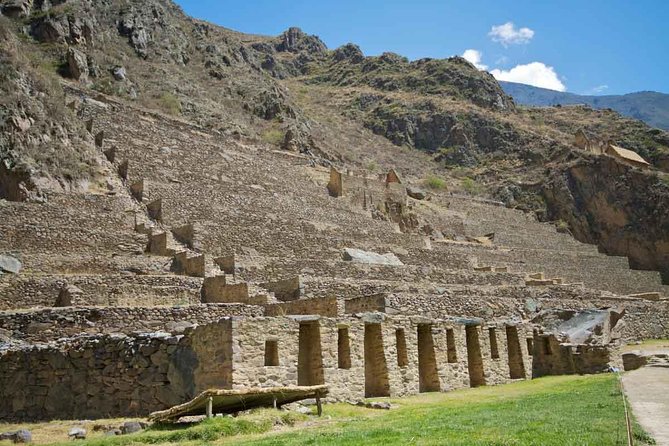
point(187, 207)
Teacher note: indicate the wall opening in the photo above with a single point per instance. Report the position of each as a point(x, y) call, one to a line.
point(271, 353)
point(530, 346)
point(428, 376)
point(474, 359)
point(516, 365)
point(547, 345)
point(401, 342)
point(494, 349)
point(310, 357)
point(343, 349)
point(376, 369)
point(451, 350)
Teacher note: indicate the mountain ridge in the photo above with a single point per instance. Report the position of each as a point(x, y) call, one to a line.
point(652, 107)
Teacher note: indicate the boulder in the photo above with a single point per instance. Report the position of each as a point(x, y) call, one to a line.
point(119, 73)
point(77, 433)
point(9, 264)
point(416, 193)
point(77, 64)
point(360, 256)
point(20, 436)
point(16, 8)
point(69, 295)
point(131, 427)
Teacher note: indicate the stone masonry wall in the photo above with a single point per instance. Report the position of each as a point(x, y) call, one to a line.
point(326, 306)
point(116, 375)
point(54, 323)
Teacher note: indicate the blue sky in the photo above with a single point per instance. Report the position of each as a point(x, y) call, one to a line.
point(584, 47)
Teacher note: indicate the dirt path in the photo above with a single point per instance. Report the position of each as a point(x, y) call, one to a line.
point(648, 392)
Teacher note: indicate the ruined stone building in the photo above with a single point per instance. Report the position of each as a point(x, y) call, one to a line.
point(597, 146)
point(265, 269)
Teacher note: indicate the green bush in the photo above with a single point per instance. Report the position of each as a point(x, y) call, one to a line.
point(471, 186)
point(273, 136)
point(170, 103)
point(435, 183)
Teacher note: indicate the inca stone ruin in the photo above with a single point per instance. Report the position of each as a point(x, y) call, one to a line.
point(265, 270)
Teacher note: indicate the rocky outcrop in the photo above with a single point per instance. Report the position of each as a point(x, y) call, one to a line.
point(77, 64)
point(623, 210)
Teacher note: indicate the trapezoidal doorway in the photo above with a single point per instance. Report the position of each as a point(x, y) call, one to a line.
point(474, 358)
point(376, 369)
point(428, 376)
point(516, 365)
point(310, 357)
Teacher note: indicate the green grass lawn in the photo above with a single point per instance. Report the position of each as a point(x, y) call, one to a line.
point(548, 411)
point(564, 410)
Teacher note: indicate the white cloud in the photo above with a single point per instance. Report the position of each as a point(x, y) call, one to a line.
point(507, 34)
point(534, 73)
point(475, 56)
point(598, 89)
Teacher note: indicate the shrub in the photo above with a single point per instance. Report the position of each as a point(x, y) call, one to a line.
point(170, 103)
point(273, 136)
point(471, 186)
point(435, 183)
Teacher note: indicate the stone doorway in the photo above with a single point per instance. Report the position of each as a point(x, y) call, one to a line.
point(310, 357)
point(516, 365)
point(428, 376)
point(376, 369)
point(474, 358)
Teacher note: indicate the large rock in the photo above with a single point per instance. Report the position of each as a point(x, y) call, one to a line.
point(77, 64)
point(16, 8)
point(77, 433)
point(9, 264)
point(20, 436)
point(131, 427)
point(360, 256)
point(416, 193)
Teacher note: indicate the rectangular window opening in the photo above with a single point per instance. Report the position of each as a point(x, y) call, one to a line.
point(494, 350)
point(547, 346)
point(271, 353)
point(451, 350)
point(343, 349)
point(402, 355)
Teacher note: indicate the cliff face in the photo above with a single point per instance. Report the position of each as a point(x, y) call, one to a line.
point(625, 211)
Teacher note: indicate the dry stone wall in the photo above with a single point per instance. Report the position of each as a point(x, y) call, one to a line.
point(53, 323)
point(117, 375)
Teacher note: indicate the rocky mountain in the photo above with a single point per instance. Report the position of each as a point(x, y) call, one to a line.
point(337, 106)
point(650, 107)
